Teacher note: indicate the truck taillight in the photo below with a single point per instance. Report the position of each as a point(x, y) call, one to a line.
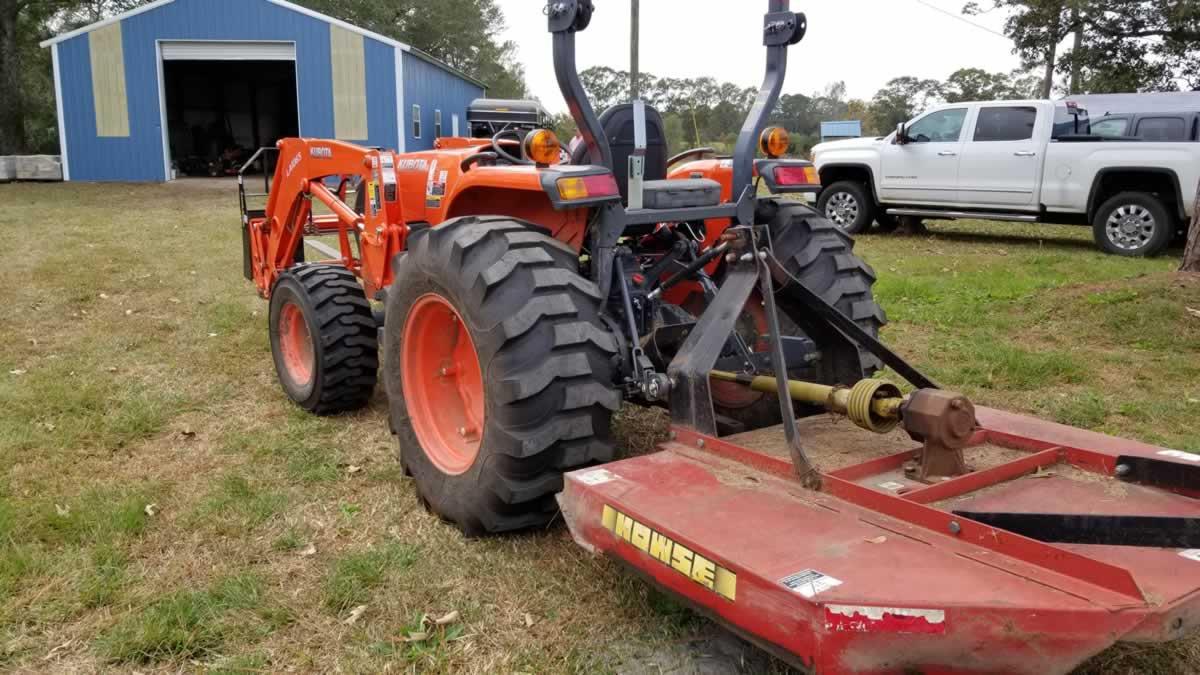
point(587, 187)
point(796, 175)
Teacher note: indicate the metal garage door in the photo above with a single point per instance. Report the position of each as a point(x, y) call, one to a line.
point(198, 50)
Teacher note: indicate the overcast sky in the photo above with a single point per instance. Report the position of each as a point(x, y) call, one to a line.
point(863, 42)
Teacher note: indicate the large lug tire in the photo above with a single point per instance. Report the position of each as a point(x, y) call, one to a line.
point(848, 205)
point(324, 339)
point(820, 255)
point(1134, 224)
point(488, 444)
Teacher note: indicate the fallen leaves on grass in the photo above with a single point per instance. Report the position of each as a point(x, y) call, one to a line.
point(427, 626)
point(1194, 312)
point(355, 615)
point(54, 652)
point(446, 619)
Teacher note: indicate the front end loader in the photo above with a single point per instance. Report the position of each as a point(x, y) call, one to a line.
point(515, 301)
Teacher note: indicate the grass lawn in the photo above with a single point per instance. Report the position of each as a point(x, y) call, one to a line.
point(163, 507)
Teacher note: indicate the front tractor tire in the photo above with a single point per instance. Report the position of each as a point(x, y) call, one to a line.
point(323, 339)
point(499, 371)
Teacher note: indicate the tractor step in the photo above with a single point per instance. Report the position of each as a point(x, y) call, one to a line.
point(879, 572)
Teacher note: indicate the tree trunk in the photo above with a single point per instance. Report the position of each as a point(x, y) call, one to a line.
point(1048, 80)
point(12, 105)
point(1076, 62)
point(1191, 254)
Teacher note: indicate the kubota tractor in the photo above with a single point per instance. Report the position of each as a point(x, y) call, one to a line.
point(516, 301)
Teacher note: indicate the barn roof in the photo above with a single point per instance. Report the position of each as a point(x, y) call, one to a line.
point(286, 5)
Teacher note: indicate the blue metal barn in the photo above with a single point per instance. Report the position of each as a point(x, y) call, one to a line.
point(841, 129)
point(147, 95)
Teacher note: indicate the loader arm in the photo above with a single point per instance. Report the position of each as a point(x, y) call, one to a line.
point(305, 171)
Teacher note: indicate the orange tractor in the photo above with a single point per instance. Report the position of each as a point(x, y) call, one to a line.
point(517, 297)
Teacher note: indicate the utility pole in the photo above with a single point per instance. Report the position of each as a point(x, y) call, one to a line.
point(634, 36)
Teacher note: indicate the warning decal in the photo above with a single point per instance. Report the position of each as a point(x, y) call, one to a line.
point(861, 619)
point(809, 582)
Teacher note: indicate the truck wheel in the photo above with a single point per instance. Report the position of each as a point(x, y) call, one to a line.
point(1133, 224)
point(323, 339)
point(499, 371)
point(815, 252)
point(847, 205)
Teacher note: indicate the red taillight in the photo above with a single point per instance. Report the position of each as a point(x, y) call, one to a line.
point(796, 175)
point(602, 185)
point(587, 187)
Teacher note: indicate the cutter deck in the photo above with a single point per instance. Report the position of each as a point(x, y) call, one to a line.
point(878, 573)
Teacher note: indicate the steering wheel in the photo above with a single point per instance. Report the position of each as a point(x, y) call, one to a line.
point(504, 154)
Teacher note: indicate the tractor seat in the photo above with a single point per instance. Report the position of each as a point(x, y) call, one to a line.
point(680, 194)
point(658, 194)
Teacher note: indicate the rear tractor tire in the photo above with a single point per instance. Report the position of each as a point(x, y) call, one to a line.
point(323, 339)
point(499, 371)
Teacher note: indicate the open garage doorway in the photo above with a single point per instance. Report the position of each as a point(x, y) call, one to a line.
point(223, 101)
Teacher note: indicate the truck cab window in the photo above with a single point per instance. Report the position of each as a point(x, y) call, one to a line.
point(1008, 123)
point(1162, 129)
point(943, 126)
point(1111, 127)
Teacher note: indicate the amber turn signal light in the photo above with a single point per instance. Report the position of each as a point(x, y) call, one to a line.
point(542, 146)
point(774, 142)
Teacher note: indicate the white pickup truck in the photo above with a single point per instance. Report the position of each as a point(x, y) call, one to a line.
point(1031, 161)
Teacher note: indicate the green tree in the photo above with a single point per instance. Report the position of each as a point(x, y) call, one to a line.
point(465, 34)
point(975, 84)
point(27, 120)
point(1117, 45)
point(900, 100)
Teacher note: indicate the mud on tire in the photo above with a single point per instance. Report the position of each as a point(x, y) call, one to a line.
point(323, 339)
point(546, 360)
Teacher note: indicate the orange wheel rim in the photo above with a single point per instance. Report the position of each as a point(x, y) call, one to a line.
point(443, 384)
point(296, 344)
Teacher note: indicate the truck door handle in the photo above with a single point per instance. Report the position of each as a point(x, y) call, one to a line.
point(1025, 153)
point(947, 153)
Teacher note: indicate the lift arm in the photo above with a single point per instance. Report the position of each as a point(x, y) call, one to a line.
point(305, 170)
